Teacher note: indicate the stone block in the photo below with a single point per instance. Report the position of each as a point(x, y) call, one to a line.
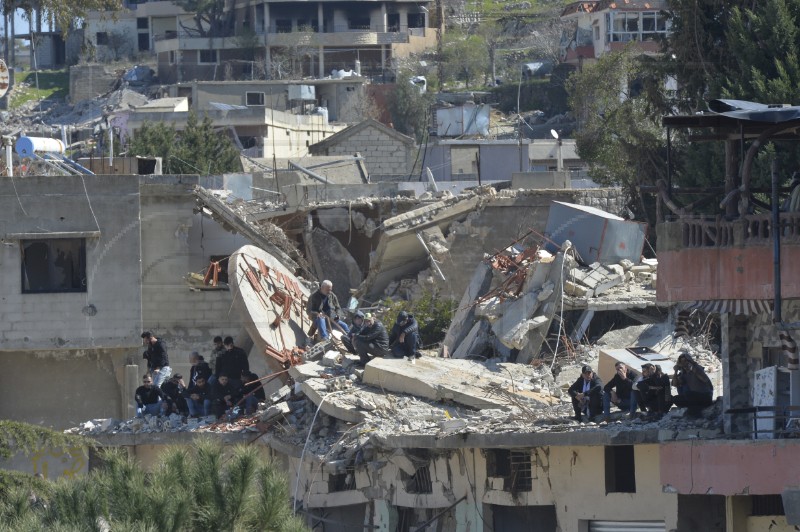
point(280, 409)
point(330, 359)
point(280, 395)
point(608, 283)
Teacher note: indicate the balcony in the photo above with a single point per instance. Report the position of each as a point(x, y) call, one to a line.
point(711, 258)
point(174, 41)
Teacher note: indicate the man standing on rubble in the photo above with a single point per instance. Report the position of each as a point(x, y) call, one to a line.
point(695, 390)
point(619, 391)
point(157, 360)
point(232, 362)
point(323, 305)
point(216, 352)
point(404, 337)
point(586, 393)
point(372, 340)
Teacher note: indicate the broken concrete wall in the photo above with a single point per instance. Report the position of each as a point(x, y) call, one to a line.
point(332, 261)
point(89, 81)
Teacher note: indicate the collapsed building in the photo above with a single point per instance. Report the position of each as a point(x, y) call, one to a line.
point(546, 281)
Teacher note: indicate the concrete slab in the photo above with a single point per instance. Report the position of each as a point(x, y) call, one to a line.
point(474, 342)
point(438, 379)
point(309, 370)
point(332, 260)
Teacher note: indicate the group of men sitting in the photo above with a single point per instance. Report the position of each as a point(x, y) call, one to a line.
point(366, 336)
point(216, 387)
point(651, 390)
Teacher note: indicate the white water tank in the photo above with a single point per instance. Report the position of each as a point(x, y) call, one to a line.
point(27, 146)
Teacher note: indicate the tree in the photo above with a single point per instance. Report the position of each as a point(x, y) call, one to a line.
point(465, 57)
point(619, 133)
point(409, 108)
point(212, 18)
point(63, 13)
point(199, 488)
point(198, 149)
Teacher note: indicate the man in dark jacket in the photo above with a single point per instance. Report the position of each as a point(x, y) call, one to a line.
point(200, 368)
point(372, 341)
point(619, 390)
point(198, 398)
point(253, 391)
point(232, 362)
point(655, 391)
point(587, 394)
point(157, 361)
point(174, 390)
point(695, 390)
point(149, 398)
point(224, 394)
point(355, 328)
point(322, 306)
point(404, 337)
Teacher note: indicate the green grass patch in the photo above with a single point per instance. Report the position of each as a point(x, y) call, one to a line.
point(52, 84)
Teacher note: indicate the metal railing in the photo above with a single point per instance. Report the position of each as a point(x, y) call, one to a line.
point(750, 230)
point(785, 421)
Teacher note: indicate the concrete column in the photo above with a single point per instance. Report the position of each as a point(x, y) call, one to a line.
point(403, 18)
point(735, 373)
point(321, 61)
point(737, 509)
point(131, 382)
point(384, 516)
point(383, 58)
point(384, 18)
point(266, 18)
point(320, 18)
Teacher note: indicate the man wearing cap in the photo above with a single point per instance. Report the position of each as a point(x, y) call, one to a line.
point(372, 340)
point(355, 328)
point(404, 338)
point(323, 305)
point(157, 361)
point(587, 394)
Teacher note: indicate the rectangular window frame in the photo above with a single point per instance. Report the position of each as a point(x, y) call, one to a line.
point(200, 60)
point(254, 99)
point(101, 38)
point(79, 278)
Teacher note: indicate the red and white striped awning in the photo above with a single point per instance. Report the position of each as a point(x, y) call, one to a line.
point(741, 307)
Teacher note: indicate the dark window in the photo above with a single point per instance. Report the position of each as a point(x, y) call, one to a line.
point(620, 469)
point(207, 56)
point(513, 466)
point(142, 23)
point(222, 276)
point(358, 23)
point(416, 20)
point(102, 38)
point(144, 42)
point(420, 481)
point(53, 265)
point(767, 505)
point(345, 481)
point(393, 22)
point(255, 99)
point(283, 25)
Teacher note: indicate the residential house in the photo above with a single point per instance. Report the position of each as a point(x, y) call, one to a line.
point(601, 26)
point(265, 38)
point(385, 150)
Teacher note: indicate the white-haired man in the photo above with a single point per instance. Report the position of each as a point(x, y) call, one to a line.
point(323, 305)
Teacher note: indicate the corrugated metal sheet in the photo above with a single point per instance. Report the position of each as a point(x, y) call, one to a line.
point(626, 526)
point(739, 307)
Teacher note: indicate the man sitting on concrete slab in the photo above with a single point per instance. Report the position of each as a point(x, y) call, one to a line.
point(404, 338)
point(200, 368)
point(149, 398)
point(587, 393)
point(198, 398)
point(174, 390)
point(323, 305)
point(355, 328)
point(619, 390)
point(655, 391)
point(695, 390)
point(224, 395)
point(253, 391)
point(372, 341)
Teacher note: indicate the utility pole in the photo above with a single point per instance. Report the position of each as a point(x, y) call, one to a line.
point(439, 31)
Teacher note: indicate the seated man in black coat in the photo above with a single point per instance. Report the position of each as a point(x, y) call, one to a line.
point(655, 390)
point(225, 394)
point(174, 390)
point(372, 340)
point(253, 391)
point(587, 394)
point(619, 390)
point(404, 338)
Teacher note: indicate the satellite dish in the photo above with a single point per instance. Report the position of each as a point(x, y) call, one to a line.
point(554, 134)
point(5, 80)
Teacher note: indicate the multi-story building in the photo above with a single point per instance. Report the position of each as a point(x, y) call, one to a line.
point(258, 39)
point(601, 26)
